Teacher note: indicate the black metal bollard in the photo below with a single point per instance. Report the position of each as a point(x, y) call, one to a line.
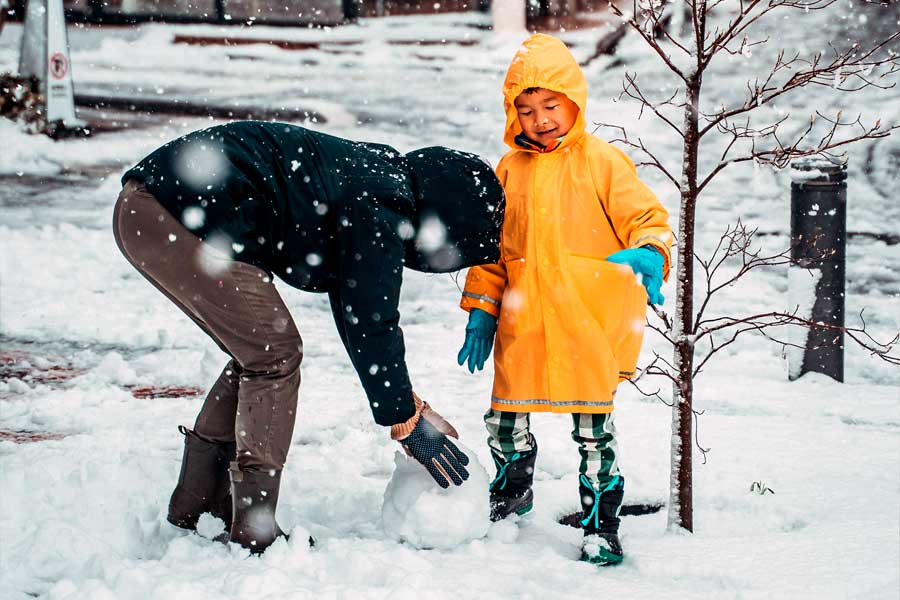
point(818, 245)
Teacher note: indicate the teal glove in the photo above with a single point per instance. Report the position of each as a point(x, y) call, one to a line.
point(479, 339)
point(647, 262)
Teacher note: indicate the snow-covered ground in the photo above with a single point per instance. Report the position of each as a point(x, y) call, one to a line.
point(83, 516)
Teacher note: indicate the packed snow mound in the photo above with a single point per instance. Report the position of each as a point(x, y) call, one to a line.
point(418, 511)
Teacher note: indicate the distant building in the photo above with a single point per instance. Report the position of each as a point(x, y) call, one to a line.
point(302, 12)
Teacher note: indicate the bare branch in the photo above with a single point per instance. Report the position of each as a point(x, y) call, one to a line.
point(745, 131)
point(782, 154)
point(631, 89)
point(763, 321)
point(736, 242)
point(745, 46)
point(663, 317)
point(703, 451)
point(648, 37)
point(639, 145)
point(714, 347)
point(655, 394)
point(849, 64)
point(746, 18)
point(654, 369)
point(664, 30)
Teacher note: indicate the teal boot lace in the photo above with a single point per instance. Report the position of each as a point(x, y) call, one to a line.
point(501, 471)
point(615, 483)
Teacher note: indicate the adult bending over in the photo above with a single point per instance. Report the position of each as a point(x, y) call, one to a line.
point(211, 217)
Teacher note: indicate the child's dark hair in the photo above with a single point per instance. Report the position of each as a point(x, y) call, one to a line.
point(531, 90)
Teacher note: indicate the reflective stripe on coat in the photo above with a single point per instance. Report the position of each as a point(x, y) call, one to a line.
point(570, 323)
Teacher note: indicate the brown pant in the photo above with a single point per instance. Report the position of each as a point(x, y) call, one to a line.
point(254, 400)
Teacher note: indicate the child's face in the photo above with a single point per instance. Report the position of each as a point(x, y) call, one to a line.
point(545, 115)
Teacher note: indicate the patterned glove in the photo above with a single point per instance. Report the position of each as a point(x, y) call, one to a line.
point(427, 441)
point(479, 339)
point(647, 262)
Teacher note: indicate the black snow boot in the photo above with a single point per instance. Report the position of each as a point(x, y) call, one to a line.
point(601, 544)
point(511, 488)
point(255, 497)
point(203, 484)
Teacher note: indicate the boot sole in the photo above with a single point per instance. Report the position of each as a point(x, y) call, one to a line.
point(529, 497)
point(525, 509)
point(225, 538)
point(603, 559)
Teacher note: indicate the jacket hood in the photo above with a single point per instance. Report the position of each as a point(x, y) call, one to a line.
point(543, 61)
point(459, 206)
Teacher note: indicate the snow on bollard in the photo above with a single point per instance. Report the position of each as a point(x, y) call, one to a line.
point(802, 284)
point(418, 511)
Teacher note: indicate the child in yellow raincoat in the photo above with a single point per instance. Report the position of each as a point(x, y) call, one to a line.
point(564, 299)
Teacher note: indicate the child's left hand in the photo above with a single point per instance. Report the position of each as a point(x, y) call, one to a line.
point(479, 339)
point(647, 262)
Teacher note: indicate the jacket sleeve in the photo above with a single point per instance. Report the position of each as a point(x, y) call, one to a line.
point(365, 303)
point(485, 283)
point(637, 217)
point(484, 288)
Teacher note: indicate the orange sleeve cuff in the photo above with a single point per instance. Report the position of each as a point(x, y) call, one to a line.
point(401, 431)
point(488, 305)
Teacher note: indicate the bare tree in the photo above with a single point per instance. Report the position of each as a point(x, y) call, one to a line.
point(740, 136)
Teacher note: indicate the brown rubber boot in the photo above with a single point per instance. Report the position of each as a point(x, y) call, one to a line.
point(203, 484)
point(254, 496)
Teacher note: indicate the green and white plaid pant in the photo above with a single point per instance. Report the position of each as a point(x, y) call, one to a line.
point(595, 434)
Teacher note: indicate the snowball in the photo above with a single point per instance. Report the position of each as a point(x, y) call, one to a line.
point(418, 511)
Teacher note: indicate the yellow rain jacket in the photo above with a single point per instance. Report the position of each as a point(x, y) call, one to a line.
point(570, 324)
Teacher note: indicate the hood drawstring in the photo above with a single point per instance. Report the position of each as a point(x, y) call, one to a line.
point(529, 144)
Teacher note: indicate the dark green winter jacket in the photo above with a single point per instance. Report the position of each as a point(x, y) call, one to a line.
point(331, 215)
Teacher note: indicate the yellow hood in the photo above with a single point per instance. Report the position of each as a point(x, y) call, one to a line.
point(543, 61)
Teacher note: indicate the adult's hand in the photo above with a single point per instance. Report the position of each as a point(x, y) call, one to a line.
point(647, 262)
point(479, 339)
point(429, 443)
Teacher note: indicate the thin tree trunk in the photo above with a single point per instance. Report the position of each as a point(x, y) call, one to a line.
point(681, 497)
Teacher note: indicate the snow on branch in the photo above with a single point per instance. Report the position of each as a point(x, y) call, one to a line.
point(735, 246)
point(885, 350)
point(746, 17)
point(646, 18)
point(736, 243)
point(863, 68)
point(780, 153)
